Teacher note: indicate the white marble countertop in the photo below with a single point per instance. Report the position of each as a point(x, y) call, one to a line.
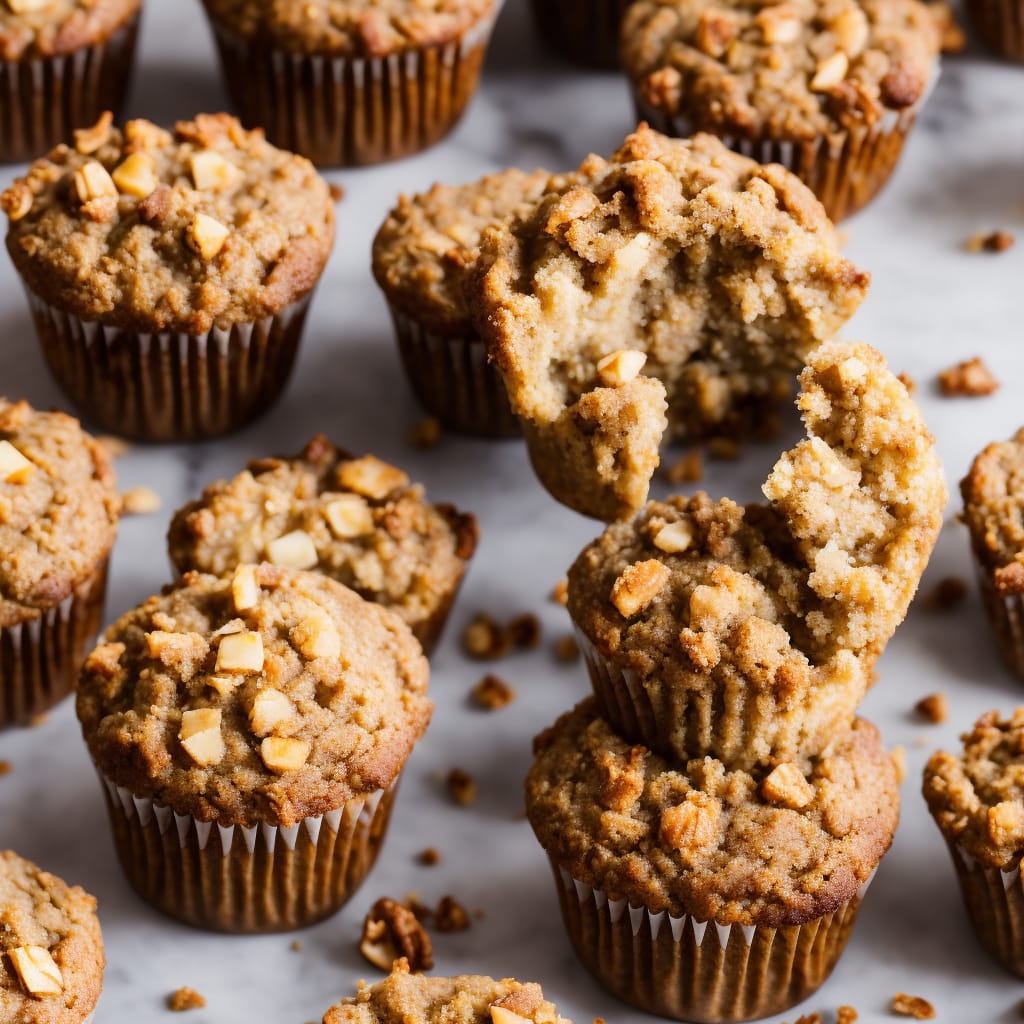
point(931, 304)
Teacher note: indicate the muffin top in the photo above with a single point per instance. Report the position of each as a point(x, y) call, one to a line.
point(993, 493)
point(51, 950)
point(423, 250)
point(678, 284)
point(404, 998)
point(789, 70)
point(357, 520)
point(777, 847)
point(30, 29)
point(779, 597)
point(369, 28)
point(207, 226)
point(977, 797)
point(58, 509)
point(268, 696)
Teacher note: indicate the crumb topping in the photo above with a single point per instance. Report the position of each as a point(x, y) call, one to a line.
point(993, 493)
point(30, 30)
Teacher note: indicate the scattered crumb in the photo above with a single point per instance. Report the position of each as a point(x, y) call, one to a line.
point(451, 916)
point(185, 999)
point(38, 720)
point(140, 501)
point(336, 191)
point(687, 470)
point(908, 382)
point(524, 632)
point(461, 787)
point(899, 761)
point(492, 693)
point(912, 1006)
point(934, 708)
point(392, 930)
point(483, 638)
point(116, 446)
point(566, 648)
point(429, 858)
point(425, 434)
point(995, 241)
point(846, 1015)
point(808, 1018)
point(947, 594)
point(724, 449)
point(6, 767)
point(415, 903)
point(969, 379)
point(560, 595)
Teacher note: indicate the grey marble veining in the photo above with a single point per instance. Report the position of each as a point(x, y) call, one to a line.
point(930, 304)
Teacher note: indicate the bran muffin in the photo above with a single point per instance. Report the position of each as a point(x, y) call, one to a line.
point(351, 82)
point(749, 633)
point(201, 248)
point(277, 705)
point(702, 892)
point(829, 89)
point(358, 520)
point(62, 64)
point(51, 949)
point(421, 258)
point(713, 275)
point(977, 800)
point(404, 998)
point(59, 510)
point(993, 494)
point(584, 31)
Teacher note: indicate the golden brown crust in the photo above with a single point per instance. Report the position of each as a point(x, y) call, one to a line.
point(700, 839)
point(357, 708)
point(38, 909)
point(60, 27)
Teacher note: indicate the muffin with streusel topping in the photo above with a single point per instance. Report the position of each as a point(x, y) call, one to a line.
point(199, 250)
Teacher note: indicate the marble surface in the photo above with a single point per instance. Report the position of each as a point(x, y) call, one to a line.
point(931, 304)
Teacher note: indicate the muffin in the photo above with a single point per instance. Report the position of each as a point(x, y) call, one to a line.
point(404, 998)
point(51, 950)
point(702, 892)
point(1000, 23)
point(828, 89)
point(62, 64)
point(584, 31)
point(993, 493)
point(977, 800)
point(357, 520)
point(199, 251)
point(711, 274)
point(350, 82)
point(276, 705)
point(421, 258)
point(59, 509)
point(750, 633)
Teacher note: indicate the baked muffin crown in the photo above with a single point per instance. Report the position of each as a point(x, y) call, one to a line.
point(30, 31)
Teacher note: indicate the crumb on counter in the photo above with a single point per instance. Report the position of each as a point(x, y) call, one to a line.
point(969, 379)
point(185, 998)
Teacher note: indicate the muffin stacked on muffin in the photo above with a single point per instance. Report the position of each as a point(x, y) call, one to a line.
point(714, 814)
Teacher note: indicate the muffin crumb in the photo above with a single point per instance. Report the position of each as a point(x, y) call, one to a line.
point(295, 946)
point(934, 708)
point(846, 1015)
point(429, 858)
point(392, 931)
point(425, 433)
point(689, 469)
point(485, 640)
point(492, 693)
point(912, 1006)
point(185, 998)
point(560, 593)
point(6, 768)
point(994, 241)
point(524, 632)
point(723, 449)
point(946, 595)
point(969, 379)
point(451, 916)
point(337, 193)
point(140, 501)
point(461, 787)
point(566, 648)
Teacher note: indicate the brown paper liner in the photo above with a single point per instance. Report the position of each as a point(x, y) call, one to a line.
point(43, 101)
point(584, 31)
point(1006, 616)
point(700, 971)
point(715, 721)
point(349, 111)
point(454, 381)
point(995, 906)
point(170, 386)
point(40, 658)
point(1000, 23)
point(252, 880)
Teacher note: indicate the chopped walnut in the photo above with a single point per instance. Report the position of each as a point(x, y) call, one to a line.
point(492, 693)
point(17, 201)
point(484, 638)
point(461, 787)
point(692, 824)
point(912, 1006)
point(140, 501)
point(524, 632)
point(969, 379)
point(429, 858)
point(451, 916)
point(566, 648)
point(392, 931)
point(638, 586)
point(425, 434)
point(947, 594)
point(185, 999)
point(934, 708)
point(786, 785)
point(560, 594)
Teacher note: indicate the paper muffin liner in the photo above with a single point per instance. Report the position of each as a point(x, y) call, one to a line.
point(844, 169)
point(351, 110)
point(700, 971)
point(454, 381)
point(584, 31)
point(170, 386)
point(1006, 615)
point(42, 101)
point(249, 880)
point(995, 905)
point(40, 658)
point(1000, 23)
point(711, 722)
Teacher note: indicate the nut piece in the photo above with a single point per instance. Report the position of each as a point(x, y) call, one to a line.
point(716, 31)
point(674, 538)
point(270, 708)
point(786, 785)
point(185, 999)
point(17, 201)
point(620, 367)
point(92, 181)
point(207, 235)
point(638, 586)
point(317, 636)
point(912, 1006)
point(934, 708)
point(483, 638)
point(240, 652)
point(852, 31)
point(969, 379)
point(390, 931)
point(200, 736)
point(492, 693)
point(135, 176)
point(692, 824)
point(211, 172)
point(349, 516)
point(294, 550)
point(88, 140)
point(779, 23)
point(140, 501)
point(502, 1015)
point(451, 916)
point(14, 467)
point(282, 755)
point(245, 591)
point(830, 72)
point(371, 477)
point(39, 973)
